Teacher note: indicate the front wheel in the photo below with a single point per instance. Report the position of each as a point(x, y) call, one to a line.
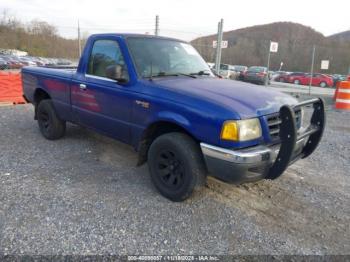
point(297, 82)
point(176, 165)
point(323, 84)
point(51, 127)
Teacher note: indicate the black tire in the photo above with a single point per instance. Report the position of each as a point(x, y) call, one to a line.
point(176, 166)
point(51, 127)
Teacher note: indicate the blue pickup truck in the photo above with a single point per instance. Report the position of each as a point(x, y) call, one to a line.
point(158, 95)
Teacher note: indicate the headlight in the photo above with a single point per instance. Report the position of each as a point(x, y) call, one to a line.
point(241, 130)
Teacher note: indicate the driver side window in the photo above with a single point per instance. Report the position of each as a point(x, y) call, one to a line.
point(106, 56)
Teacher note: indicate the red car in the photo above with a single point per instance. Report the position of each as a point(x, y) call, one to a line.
point(282, 77)
point(289, 78)
point(317, 80)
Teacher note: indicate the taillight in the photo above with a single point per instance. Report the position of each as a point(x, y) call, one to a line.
point(261, 74)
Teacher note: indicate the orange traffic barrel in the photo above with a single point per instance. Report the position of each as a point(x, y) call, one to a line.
point(342, 99)
point(336, 90)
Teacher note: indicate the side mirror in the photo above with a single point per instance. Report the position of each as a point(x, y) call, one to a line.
point(117, 72)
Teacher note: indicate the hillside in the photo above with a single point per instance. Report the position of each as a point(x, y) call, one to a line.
point(38, 38)
point(343, 36)
point(249, 46)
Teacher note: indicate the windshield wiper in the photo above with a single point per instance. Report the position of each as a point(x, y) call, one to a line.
point(164, 74)
point(189, 75)
point(201, 73)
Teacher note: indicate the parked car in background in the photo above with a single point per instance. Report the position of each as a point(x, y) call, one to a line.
point(280, 76)
point(13, 62)
point(274, 74)
point(256, 74)
point(317, 80)
point(17, 62)
point(293, 77)
point(3, 64)
point(240, 69)
point(226, 70)
point(215, 73)
point(26, 61)
point(63, 62)
point(211, 65)
point(51, 62)
point(39, 62)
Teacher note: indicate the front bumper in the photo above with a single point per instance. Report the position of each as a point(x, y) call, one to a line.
point(264, 161)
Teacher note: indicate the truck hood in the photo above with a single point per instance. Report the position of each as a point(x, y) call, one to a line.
point(243, 99)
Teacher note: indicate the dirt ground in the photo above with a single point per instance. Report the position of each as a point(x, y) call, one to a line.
point(83, 194)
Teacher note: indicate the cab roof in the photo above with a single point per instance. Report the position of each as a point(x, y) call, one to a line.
point(126, 35)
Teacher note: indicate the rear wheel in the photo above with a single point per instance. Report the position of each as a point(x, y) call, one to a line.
point(296, 82)
point(176, 165)
point(51, 127)
point(323, 84)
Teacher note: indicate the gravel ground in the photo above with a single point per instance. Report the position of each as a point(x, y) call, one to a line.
point(83, 195)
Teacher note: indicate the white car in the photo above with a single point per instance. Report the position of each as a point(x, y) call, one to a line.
point(226, 70)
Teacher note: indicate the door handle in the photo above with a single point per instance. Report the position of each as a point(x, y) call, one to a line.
point(82, 86)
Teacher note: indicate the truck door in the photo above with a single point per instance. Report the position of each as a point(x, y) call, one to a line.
point(99, 102)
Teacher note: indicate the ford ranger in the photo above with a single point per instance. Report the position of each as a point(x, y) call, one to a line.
point(159, 95)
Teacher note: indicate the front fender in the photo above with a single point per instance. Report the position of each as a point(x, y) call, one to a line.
point(163, 119)
point(175, 118)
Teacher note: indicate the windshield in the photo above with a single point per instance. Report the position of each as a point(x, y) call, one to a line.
point(155, 56)
point(256, 69)
point(240, 68)
point(223, 67)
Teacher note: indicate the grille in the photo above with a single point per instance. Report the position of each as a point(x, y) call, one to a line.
point(274, 123)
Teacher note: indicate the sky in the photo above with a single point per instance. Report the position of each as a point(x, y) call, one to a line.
point(184, 19)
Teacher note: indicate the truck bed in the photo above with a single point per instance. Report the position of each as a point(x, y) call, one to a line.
point(55, 82)
point(64, 72)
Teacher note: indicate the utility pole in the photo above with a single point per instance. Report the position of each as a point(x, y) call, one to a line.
point(156, 31)
point(218, 46)
point(268, 65)
point(312, 67)
point(79, 40)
